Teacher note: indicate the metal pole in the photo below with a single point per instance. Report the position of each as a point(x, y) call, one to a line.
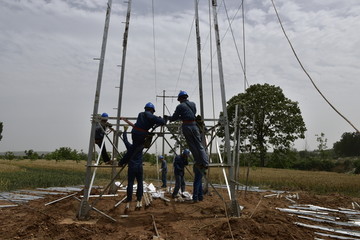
point(244, 49)
point(198, 44)
point(113, 188)
point(125, 38)
point(237, 144)
point(234, 206)
point(162, 127)
point(199, 58)
point(84, 205)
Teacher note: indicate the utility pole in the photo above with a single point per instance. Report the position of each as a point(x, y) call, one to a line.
point(122, 74)
point(235, 209)
point(198, 44)
point(84, 205)
point(162, 127)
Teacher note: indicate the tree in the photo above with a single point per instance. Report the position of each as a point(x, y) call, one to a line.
point(266, 119)
point(180, 141)
point(322, 144)
point(64, 153)
point(9, 155)
point(30, 154)
point(1, 129)
point(349, 145)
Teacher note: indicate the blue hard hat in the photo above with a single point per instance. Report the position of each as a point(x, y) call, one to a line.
point(104, 115)
point(161, 157)
point(182, 94)
point(150, 105)
point(186, 152)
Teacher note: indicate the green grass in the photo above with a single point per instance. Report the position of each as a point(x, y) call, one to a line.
point(37, 177)
point(26, 174)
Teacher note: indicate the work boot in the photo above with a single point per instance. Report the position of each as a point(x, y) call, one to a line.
point(127, 205)
point(138, 204)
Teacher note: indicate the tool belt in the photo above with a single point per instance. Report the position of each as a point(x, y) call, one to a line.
point(139, 129)
point(188, 121)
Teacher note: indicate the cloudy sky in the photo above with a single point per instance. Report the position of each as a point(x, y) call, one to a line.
point(48, 73)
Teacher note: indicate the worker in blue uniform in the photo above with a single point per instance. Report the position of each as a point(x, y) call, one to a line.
point(145, 121)
point(100, 131)
point(135, 171)
point(186, 112)
point(163, 171)
point(180, 162)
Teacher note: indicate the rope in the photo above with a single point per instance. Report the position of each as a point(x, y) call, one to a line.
point(313, 83)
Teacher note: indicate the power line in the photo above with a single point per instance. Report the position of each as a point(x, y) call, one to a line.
point(313, 83)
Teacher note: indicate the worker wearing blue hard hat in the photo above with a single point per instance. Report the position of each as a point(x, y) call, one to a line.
point(135, 171)
point(144, 122)
point(180, 162)
point(163, 170)
point(100, 131)
point(186, 112)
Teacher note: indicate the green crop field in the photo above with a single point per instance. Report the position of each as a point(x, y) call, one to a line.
point(27, 174)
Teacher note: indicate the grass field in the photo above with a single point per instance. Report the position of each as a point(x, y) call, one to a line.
point(26, 174)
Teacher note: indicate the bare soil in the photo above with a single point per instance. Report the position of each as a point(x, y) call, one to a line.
point(166, 220)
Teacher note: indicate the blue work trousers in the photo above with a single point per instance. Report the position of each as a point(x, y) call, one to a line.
point(179, 184)
point(135, 173)
point(137, 146)
point(163, 178)
point(198, 190)
point(193, 139)
point(104, 153)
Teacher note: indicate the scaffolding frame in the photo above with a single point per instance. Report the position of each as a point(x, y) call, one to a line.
point(85, 206)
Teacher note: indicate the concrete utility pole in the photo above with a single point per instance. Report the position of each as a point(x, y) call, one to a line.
point(84, 205)
point(198, 44)
point(235, 209)
point(113, 187)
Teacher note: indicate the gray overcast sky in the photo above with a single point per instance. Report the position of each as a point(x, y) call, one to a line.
point(48, 75)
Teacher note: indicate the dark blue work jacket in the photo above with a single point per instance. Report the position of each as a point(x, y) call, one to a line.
point(179, 164)
point(145, 121)
point(185, 111)
point(100, 129)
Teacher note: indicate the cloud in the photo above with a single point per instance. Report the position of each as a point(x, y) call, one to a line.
point(48, 75)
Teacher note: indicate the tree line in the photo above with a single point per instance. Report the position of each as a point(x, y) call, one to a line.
point(260, 119)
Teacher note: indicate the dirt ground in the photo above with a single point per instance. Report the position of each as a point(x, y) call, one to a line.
point(260, 218)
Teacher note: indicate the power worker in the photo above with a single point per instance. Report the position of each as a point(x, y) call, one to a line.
point(100, 131)
point(186, 112)
point(135, 170)
point(163, 171)
point(144, 122)
point(180, 162)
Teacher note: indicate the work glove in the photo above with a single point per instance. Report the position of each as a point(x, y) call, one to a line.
point(126, 128)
